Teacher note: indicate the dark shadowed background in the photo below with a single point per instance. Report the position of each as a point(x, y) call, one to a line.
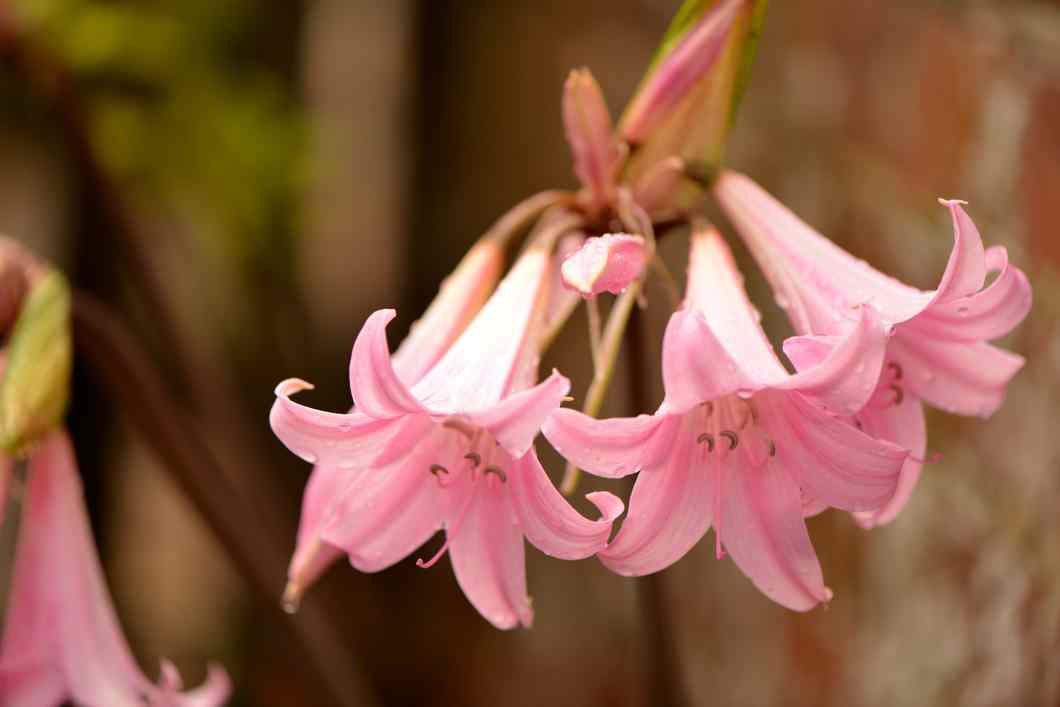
point(244, 181)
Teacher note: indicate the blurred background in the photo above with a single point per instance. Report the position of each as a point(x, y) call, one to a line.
point(243, 181)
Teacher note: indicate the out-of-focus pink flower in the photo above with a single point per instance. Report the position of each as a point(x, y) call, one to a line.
point(938, 352)
point(608, 263)
point(675, 76)
point(738, 443)
point(459, 299)
point(453, 451)
point(62, 640)
point(591, 136)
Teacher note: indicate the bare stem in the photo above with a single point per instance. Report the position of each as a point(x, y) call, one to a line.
point(592, 308)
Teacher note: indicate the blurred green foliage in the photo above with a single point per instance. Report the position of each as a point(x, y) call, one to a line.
point(183, 111)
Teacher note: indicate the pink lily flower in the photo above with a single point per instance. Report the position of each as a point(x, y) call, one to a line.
point(938, 352)
point(607, 263)
point(62, 640)
point(739, 443)
point(460, 297)
point(457, 454)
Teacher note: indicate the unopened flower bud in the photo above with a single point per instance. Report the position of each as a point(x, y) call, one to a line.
point(656, 189)
point(591, 135)
point(680, 71)
point(35, 386)
point(605, 264)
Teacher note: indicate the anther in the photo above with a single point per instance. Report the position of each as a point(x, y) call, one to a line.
point(772, 448)
point(733, 438)
point(893, 365)
point(498, 471)
point(709, 439)
point(474, 458)
point(858, 424)
point(438, 469)
point(899, 394)
point(710, 408)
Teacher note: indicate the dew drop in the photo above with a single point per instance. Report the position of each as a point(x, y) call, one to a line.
point(962, 311)
point(346, 464)
point(345, 426)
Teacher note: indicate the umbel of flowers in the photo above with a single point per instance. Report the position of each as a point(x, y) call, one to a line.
point(441, 434)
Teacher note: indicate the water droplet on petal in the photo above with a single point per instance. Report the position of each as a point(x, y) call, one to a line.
point(962, 311)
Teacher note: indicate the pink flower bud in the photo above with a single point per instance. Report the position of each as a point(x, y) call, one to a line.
point(679, 71)
point(657, 188)
point(590, 134)
point(605, 264)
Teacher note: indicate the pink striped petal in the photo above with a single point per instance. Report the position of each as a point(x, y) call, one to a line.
point(669, 512)
point(343, 440)
point(764, 532)
point(989, 314)
point(548, 520)
point(491, 358)
point(610, 448)
point(516, 420)
point(845, 378)
point(904, 425)
point(959, 377)
point(386, 513)
point(377, 390)
point(460, 296)
point(832, 460)
point(966, 268)
point(489, 558)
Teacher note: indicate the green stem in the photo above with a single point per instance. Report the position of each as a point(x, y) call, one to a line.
point(610, 346)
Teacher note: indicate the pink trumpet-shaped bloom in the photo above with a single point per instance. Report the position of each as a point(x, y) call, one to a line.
point(591, 136)
point(459, 299)
point(62, 640)
point(938, 352)
point(739, 443)
point(457, 453)
point(607, 263)
point(671, 81)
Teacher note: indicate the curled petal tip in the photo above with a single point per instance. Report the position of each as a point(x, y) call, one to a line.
point(828, 594)
point(609, 505)
point(291, 386)
point(292, 597)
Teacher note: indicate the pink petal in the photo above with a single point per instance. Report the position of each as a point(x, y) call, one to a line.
point(590, 135)
point(958, 377)
point(214, 690)
point(845, 379)
point(611, 448)
point(516, 420)
point(679, 71)
point(460, 296)
point(62, 639)
point(802, 265)
point(386, 513)
point(609, 263)
point(764, 532)
point(549, 521)
point(966, 269)
point(696, 367)
point(377, 390)
point(491, 358)
point(832, 460)
point(342, 440)
point(716, 290)
point(669, 511)
point(989, 314)
point(312, 556)
point(904, 425)
point(489, 559)
point(808, 351)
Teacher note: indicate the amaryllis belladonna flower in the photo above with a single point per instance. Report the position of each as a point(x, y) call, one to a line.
point(453, 451)
point(938, 351)
point(459, 299)
point(62, 641)
point(738, 443)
